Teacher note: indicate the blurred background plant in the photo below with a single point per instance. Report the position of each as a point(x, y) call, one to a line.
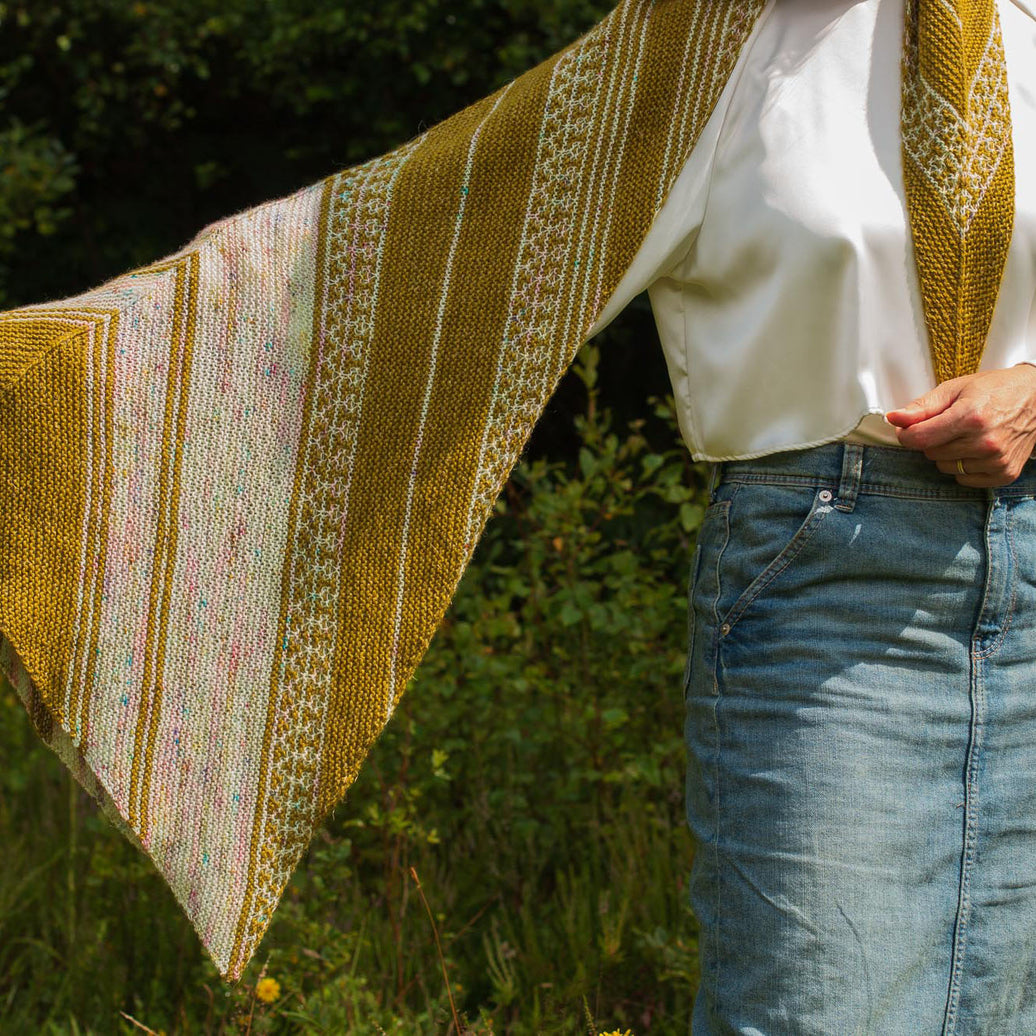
point(533, 774)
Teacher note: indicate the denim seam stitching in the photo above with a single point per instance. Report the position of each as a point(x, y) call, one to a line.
point(716, 771)
point(851, 478)
point(691, 620)
point(960, 928)
point(971, 752)
point(724, 509)
point(714, 659)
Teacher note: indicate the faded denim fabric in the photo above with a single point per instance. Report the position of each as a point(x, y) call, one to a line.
point(861, 732)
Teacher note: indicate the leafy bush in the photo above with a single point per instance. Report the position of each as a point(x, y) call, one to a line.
point(179, 112)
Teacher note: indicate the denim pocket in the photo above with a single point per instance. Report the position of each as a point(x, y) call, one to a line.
point(769, 528)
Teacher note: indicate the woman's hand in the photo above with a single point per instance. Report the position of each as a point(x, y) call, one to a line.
point(986, 420)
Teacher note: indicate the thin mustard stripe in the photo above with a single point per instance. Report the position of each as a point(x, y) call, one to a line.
point(105, 519)
point(189, 281)
point(85, 577)
point(163, 490)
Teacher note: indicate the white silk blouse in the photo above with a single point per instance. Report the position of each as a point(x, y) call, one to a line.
point(781, 270)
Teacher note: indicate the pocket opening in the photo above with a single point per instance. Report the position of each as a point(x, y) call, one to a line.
point(822, 505)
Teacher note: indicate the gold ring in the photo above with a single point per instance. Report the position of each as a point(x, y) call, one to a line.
point(960, 467)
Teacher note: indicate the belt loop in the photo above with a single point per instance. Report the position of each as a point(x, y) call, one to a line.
point(852, 472)
point(714, 477)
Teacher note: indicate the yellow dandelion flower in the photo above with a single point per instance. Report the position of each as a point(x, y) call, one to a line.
point(267, 990)
point(615, 1032)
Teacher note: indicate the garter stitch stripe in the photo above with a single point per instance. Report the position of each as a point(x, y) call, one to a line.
point(239, 486)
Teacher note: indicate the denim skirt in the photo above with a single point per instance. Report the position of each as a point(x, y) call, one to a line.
point(861, 733)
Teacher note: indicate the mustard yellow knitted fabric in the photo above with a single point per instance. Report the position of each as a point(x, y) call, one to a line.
point(238, 487)
point(958, 163)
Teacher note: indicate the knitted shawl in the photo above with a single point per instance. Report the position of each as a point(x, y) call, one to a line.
point(238, 487)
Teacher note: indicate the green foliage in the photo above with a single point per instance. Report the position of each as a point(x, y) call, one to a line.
point(37, 172)
point(532, 776)
point(37, 175)
point(178, 112)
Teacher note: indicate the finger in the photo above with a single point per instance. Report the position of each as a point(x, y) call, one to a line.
point(972, 469)
point(977, 479)
point(962, 447)
point(927, 406)
point(939, 430)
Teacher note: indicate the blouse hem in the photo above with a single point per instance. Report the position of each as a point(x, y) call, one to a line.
point(834, 437)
